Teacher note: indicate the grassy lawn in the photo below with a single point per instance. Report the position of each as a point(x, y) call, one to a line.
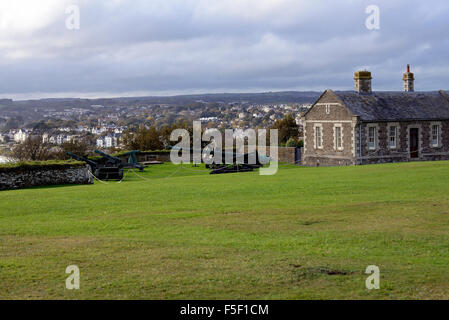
point(180, 233)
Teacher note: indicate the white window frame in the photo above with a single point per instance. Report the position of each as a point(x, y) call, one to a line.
point(435, 135)
point(336, 147)
point(395, 137)
point(318, 144)
point(375, 137)
point(328, 109)
point(438, 135)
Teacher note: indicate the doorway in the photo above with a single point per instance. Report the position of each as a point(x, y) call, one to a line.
point(414, 143)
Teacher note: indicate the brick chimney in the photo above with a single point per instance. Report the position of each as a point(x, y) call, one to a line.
point(409, 80)
point(363, 81)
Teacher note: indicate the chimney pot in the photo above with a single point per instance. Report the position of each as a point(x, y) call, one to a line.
point(409, 80)
point(363, 81)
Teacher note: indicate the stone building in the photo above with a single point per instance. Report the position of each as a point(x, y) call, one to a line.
point(363, 127)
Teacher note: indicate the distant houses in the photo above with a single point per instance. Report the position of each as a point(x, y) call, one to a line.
point(108, 141)
point(58, 139)
point(107, 135)
point(208, 119)
point(21, 135)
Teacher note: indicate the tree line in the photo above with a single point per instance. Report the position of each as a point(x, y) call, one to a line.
point(143, 138)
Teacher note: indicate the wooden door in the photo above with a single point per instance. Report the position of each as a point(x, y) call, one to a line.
point(414, 143)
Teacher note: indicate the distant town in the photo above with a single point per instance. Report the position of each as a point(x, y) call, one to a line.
point(58, 121)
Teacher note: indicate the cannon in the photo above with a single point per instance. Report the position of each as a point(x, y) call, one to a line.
point(102, 171)
point(92, 164)
point(132, 161)
point(234, 165)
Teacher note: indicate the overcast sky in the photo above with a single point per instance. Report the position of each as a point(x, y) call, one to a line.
point(158, 47)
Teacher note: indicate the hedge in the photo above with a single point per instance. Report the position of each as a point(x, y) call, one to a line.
point(142, 152)
point(39, 165)
point(122, 153)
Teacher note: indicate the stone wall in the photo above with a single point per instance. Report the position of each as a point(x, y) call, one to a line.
point(161, 156)
point(287, 155)
point(327, 114)
point(145, 156)
point(383, 153)
point(29, 176)
point(322, 161)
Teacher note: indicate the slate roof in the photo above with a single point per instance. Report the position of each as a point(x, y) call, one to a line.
point(395, 106)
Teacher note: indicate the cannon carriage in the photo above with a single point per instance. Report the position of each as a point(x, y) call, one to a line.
point(103, 170)
point(108, 167)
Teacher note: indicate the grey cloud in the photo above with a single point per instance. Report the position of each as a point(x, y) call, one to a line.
point(234, 45)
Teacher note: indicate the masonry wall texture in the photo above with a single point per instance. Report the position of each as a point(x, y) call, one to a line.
point(154, 156)
point(32, 177)
point(289, 155)
point(145, 156)
point(326, 113)
point(384, 154)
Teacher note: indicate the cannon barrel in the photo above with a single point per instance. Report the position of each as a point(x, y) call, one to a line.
point(131, 152)
point(112, 158)
point(132, 160)
point(118, 161)
point(92, 164)
point(235, 155)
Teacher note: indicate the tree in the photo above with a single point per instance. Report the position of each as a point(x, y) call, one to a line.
point(143, 139)
point(165, 133)
point(291, 143)
point(78, 147)
point(32, 149)
point(287, 128)
point(152, 140)
point(39, 126)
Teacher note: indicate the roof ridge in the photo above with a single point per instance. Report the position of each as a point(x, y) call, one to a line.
point(392, 91)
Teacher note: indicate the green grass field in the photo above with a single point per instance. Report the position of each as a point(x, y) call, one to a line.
point(305, 233)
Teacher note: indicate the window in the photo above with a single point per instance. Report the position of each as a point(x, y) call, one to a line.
point(328, 108)
point(338, 138)
point(393, 137)
point(318, 137)
point(435, 135)
point(372, 138)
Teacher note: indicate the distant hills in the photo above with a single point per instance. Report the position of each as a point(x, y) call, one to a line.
point(302, 97)
point(255, 98)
